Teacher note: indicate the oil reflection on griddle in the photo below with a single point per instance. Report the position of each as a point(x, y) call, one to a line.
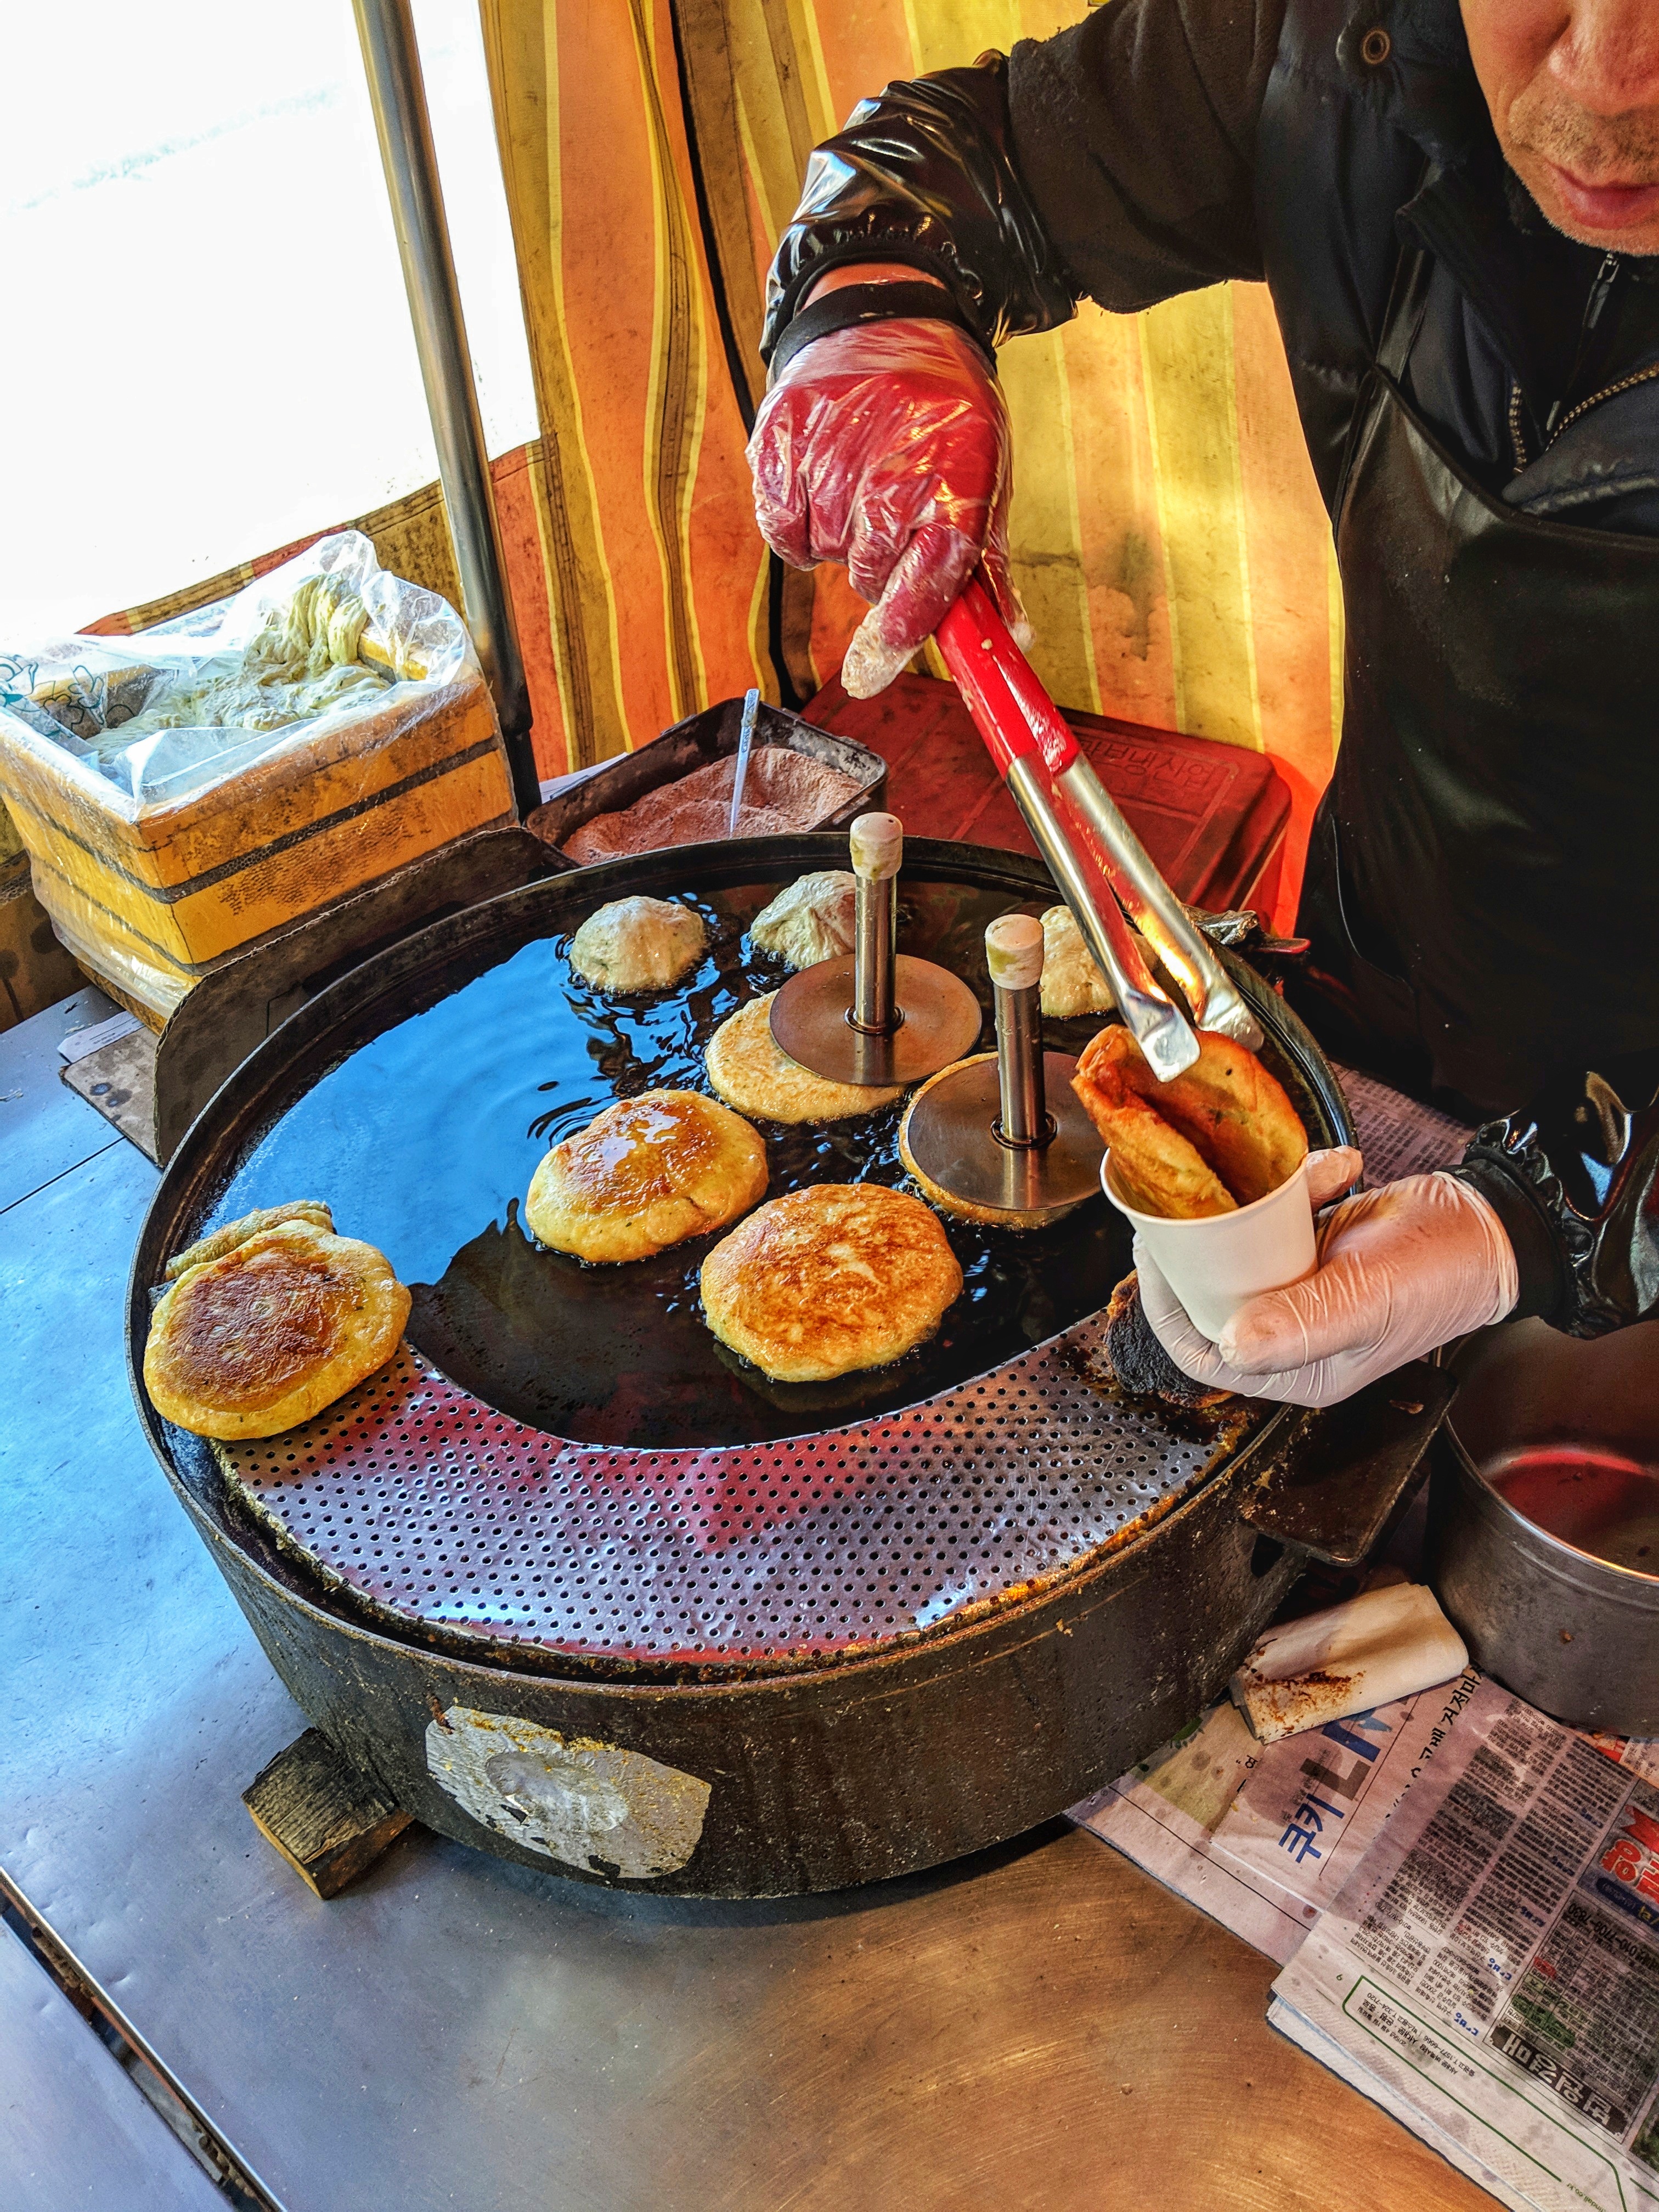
point(425, 1140)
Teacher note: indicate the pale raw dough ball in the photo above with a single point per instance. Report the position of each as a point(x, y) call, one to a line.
point(813, 919)
point(1072, 981)
point(638, 945)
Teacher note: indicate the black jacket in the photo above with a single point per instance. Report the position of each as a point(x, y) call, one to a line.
point(1165, 144)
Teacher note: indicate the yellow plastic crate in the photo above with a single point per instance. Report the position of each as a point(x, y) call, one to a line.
point(151, 895)
point(199, 879)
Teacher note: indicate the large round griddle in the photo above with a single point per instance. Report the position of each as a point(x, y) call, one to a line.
point(710, 1647)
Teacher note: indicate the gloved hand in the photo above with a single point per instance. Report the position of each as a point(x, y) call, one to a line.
point(886, 447)
point(1401, 1271)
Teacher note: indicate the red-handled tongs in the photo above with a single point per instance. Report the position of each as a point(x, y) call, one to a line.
point(1092, 854)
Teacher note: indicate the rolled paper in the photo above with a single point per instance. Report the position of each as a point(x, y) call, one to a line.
point(1013, 952)
point(1383, 1644)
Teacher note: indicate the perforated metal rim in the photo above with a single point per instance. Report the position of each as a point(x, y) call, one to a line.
point(439, 1515)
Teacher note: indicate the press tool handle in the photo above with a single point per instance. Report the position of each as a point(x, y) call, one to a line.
point(877, 842)
point(883, 1018)
point(1006, 1138)
point(1014, 954)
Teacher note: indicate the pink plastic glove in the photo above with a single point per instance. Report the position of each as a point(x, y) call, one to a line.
point(1401, 1271)
point(886, 447)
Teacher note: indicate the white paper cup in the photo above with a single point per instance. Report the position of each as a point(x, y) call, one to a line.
point(1215, 1263)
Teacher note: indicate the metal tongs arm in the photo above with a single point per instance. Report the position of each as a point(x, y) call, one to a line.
point(1155, 1022)
point(1019, 721)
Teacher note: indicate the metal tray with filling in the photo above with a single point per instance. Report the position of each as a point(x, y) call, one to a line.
point(701, 743)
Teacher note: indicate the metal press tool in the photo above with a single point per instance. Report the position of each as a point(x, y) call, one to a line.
point(1005, 1134)
point(879, 1016)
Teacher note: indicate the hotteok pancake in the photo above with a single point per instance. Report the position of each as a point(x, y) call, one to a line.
point(823, 1281)
point(646, 1173)
point(752, 1072)
point(277, 1327)
point(237, 1232)
point(813, 919)
point(1220, 1135)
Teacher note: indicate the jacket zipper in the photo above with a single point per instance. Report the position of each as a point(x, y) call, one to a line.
point(1601, 287)
point(1625, 384)
point(1517, 436)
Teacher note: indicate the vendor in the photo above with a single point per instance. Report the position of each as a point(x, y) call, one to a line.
point(1457, 212)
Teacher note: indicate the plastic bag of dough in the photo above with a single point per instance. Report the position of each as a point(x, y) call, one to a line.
point(164, 714)
point(201, 785)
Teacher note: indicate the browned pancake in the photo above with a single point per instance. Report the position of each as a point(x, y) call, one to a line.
point(752, 1072)
point(1140, 1364)
point(823, 1281)
point(268, 1333)
point(646, 1173)
point(1220, 1135)
point(237, 1232)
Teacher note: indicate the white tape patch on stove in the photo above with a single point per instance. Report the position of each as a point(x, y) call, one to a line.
point(588, 1804)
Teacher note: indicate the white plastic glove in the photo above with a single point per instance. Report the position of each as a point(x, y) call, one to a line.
point(1401, 1271)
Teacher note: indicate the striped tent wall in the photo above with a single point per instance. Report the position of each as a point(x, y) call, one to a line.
point(657, 581)
point(1167, 534)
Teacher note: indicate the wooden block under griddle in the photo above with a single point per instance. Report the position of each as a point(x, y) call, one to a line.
point(328, 1818)
point(119, 1081)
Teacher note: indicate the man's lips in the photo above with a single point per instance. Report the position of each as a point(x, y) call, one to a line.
point(1606, 207)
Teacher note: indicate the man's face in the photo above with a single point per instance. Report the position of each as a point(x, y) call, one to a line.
point(1573, 86)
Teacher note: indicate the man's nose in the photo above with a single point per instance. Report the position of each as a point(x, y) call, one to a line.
point(1607, 58)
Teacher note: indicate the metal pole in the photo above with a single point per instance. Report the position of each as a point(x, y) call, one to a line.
point(1013, 958)
point(1023, 1120)
point(392, 61)
point(876, 845)
point(873, 974)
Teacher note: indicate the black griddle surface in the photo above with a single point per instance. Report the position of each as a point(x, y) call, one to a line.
point(424, 1140)
point(425, 1502)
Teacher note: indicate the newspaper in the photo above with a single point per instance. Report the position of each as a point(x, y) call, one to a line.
point(1463, 1895)
point(1639, 1753)
point(1490, 1973)
point(1263, 1838)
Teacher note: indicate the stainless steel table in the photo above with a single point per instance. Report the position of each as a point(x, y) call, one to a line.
point(74, 2130)
point(1041, 2026)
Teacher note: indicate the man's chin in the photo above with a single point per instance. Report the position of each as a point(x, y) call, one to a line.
point(1622, 219)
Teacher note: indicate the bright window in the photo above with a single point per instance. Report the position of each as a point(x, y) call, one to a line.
point(207, 349)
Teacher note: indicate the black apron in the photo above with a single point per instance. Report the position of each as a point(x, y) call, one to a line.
point(1482, 893)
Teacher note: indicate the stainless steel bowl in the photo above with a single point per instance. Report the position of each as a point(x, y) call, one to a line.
point(1543, 1533)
